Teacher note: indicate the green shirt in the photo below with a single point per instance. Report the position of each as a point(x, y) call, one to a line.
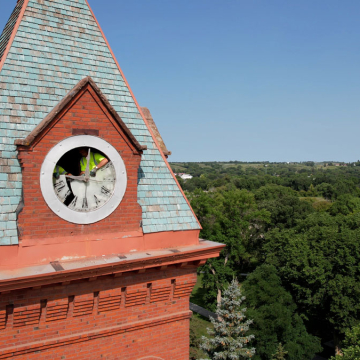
point(94, 160)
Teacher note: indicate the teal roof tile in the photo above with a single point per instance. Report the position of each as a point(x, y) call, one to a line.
point(57, 44)
point(5, 240)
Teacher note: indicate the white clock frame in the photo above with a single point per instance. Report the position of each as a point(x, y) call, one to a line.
point(46, 179)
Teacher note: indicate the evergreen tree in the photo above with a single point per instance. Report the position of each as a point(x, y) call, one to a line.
point(229, 340)
point(280, 353)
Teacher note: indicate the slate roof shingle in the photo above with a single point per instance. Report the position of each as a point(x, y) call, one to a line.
point(57, 44)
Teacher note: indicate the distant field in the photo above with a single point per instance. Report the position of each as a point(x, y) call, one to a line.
point(230, 165)
point(203, 165)
point(178, 168)
point(183, 166)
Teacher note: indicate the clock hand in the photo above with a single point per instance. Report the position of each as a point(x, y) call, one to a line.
point(87, 170)
point(100, 181)
point(81, 178)
point(85, 204)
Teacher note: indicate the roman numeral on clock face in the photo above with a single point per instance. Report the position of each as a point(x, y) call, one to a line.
point(105, 191)
point(85, 203)
point(73, 203)
point(96, 200)
point(59, 186)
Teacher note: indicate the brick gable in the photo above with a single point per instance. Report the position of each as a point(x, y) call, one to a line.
point(85, 111)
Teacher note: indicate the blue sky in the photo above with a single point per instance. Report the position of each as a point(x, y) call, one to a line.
point(241, 80)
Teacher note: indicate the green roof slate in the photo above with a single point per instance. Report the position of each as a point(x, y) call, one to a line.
point(57, 44)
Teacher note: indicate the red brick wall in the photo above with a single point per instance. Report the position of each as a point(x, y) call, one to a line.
point(85, 112)
point(127, 317)
point(172, 339)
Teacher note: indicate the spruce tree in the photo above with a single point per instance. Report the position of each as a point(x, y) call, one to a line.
point(280, 353)
point(229, 341)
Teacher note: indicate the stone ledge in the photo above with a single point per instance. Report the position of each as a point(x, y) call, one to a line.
point(65, 272)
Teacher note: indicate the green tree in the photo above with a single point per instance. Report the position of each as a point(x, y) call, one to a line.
point(312, 191)
point(345, 186)
point(273, 192)
point(180, 181)
point(280, 353)
point(351, 345)
point(321, 205)
point(229, 340)
point(275, 319)
point(232, 218)
point(283, 204)
point(318, 262)
point(345, 204)
point(326, 190)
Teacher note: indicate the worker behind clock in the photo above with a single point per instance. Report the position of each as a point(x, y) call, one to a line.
point(97, 161)
point(58, 170)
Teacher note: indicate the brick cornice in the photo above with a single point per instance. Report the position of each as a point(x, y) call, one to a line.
point(195, 257)
point(43, 345)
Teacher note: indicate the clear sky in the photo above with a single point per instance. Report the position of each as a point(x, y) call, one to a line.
point(246, 80)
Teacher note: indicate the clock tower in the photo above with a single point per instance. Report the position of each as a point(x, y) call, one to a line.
point(99, 247)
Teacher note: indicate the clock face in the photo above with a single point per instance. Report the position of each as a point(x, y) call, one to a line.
point(94, 193)
point(83, 179)
point(87, 194)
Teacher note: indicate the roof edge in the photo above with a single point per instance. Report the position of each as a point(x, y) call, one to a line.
point(28, 141)
point(190, 256)
point(155, 130)
point(13, 34)
point(142, 115)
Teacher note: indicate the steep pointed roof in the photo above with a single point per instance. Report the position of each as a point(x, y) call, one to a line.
point(54, 44)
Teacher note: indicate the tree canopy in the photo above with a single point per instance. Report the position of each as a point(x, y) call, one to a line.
point(275, 318)
point(319, 263)
point(302, 219)
point(232, 218)
point(351, 345)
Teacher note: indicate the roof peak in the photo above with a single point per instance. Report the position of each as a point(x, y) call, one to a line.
point(73, 93)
